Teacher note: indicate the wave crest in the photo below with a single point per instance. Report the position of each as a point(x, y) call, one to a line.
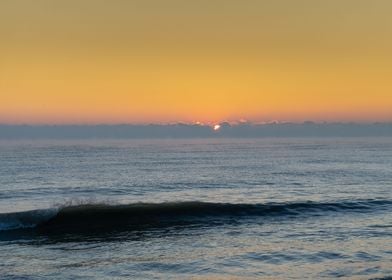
point(87, 217)
point(27, 219)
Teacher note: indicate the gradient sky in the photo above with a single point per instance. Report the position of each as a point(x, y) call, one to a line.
point(140, 61)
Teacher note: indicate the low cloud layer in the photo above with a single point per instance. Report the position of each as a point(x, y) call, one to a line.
point(248, 130)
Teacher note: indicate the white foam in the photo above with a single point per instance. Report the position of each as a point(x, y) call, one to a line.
point(26, 219)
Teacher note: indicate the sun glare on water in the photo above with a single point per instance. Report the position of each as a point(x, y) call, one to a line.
point(217, 127)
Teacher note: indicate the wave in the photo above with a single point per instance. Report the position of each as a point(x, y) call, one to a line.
point(27, 219)
point(97, 217)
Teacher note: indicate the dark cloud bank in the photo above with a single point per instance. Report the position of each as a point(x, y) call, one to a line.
point(246, 130)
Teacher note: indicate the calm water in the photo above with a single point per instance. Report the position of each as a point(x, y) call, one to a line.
point(200, 209)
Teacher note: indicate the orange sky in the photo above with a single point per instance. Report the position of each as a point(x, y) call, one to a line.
point(95, 61)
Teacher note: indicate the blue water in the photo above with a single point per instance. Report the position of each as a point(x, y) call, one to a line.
point(196, 209)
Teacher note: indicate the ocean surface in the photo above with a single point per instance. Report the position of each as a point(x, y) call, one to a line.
point(196, 209)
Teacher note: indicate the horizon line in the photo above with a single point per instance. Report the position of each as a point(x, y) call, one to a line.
point(210, 124)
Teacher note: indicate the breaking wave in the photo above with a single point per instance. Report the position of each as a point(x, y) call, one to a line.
point(140, 215)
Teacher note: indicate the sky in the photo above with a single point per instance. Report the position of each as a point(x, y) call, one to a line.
point(153, 61)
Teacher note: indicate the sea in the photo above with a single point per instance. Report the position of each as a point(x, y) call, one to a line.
point(267, 208)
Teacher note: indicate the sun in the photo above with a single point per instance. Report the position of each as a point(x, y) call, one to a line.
point(217, 127)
